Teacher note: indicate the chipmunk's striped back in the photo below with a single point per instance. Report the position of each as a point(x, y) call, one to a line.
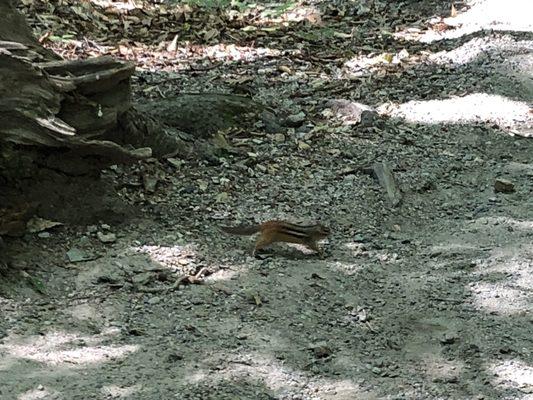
point(282, 231)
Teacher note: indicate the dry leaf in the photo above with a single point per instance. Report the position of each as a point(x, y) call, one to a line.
point(303, 146)
point(388, 57)
point(453, 13)
point(37, 224)
point(222, 197)
point(202, 185)
point(172, 47)
point(219, 141)
point(210, 34)
point(342, 35)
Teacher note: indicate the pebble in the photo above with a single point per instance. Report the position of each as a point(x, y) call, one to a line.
point(279, 137)
point(77, 255)
point(295, 119)
point(106, 237)
point(503, 186)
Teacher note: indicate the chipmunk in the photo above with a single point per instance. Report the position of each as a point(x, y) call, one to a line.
point(282, 231)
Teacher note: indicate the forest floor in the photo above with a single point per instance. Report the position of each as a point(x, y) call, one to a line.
point(428, 299)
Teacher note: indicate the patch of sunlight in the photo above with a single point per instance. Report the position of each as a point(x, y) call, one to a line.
point(298, 14)
point(284, 13)
point(223, 274)
point(220, 52)
point(232, 52)
point(57, 348)
point(84, 312)
point(472, 108)
point(510, 15)
point(276, 376)
point(124, 6)
point(510, 261)
point(477, 47)
point(500, 299)
point(347, 268)
point(168, 256)
point(197, 376)
point(352, 245)
point(514, 167)
point(453, 249)
point(514, 224)
point(116, 392)
point(34, 394)
point(361, 63)
point(438, 369)
point(513, 373)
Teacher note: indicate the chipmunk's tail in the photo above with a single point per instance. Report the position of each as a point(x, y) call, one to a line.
point(244, 230)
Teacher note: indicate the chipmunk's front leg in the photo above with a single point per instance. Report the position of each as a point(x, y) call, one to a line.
point(262, 241)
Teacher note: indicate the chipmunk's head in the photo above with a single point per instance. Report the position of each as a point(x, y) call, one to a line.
point(322, 230)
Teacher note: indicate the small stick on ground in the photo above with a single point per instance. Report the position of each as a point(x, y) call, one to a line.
point(384, 174)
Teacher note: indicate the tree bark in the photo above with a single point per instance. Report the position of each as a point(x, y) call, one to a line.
point(65, 114)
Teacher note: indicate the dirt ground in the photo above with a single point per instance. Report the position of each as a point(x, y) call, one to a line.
point(430, 299)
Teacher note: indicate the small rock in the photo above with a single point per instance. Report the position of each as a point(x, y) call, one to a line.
point(44, 235)
point(360, 238)
point(321, 350)
point(368, 118)
point(135, 331)
point(303, 146)
point(295, 120)
point(505, 350)
point(449, 338)
point(451, 379)
point(142, 278)
point(114, 278)
point(503, 186)
point(105, 227)
point(197, 301)
point(84, 241)
point(106, 237)
point(353, 113)
point(279, 137)
point(173, 357)
point(154, 300)
point(77, 255)
point(362, 315)
point(149, 183)
point(174, 162)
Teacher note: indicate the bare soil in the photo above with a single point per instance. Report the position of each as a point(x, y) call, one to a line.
point(431, 299)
